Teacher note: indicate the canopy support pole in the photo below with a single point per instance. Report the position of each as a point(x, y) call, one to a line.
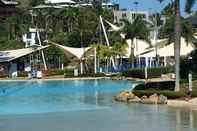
point(42, 53)
point(107, 41)
point(95, 61)
point(81, 66)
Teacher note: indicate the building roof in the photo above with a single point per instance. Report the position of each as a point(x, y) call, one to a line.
point(168, 50)
point(9, 55)
point(59, 2)
point(13, 2)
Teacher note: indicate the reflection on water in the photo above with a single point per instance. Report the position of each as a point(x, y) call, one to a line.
point(185, 118)
point(84, 106)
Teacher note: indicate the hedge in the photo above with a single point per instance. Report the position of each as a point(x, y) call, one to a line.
point(92, 75)
point(164, 85)
point(168, 94)
point(52, 72)
point(152, 72)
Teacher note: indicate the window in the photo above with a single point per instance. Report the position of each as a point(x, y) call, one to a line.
point(124, 15)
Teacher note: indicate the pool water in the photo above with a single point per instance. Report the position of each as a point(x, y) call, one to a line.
point(84, 105)
point(57, 96)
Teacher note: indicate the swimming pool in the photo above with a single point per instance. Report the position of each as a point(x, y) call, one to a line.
point(83, 105)
point(29, 97)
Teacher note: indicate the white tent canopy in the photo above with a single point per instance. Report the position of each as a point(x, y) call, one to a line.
point(9, 55)
point(77, 52)
point(114, 27)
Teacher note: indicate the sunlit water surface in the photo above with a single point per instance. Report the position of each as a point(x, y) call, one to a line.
point(83, 105)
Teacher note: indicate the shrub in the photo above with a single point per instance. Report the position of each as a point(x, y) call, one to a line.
point(92, 75)
point(152, 72)
point(194, 93)
point(52, 72)
point(22, 74)
point(164, 85)
point(168, 94)
point(187, 65)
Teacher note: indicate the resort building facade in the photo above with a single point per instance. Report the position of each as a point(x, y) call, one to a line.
point(129, 15)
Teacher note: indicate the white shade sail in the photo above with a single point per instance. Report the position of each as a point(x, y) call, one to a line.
point(77, 52)
point(9, 55)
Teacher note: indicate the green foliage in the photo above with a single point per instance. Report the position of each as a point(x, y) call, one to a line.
point(168, 94)
point(10, 45)
point(167, 31)
point(92, 75)
point(189, 5)
point(136, 29)
point(53, 72)
point(60, 37)
point(168, 10)
point(163, 85)
point(22, 74)
point(56, 56)
point(152, 72)
point(189, 65)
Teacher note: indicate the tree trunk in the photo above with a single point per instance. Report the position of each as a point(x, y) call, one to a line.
point(132, 54)
point(177, 44)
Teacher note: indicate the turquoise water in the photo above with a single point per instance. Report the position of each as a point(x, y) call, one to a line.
point(57, 96)
point(84, 106)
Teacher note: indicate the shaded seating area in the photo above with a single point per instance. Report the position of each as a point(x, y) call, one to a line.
point(14, 61)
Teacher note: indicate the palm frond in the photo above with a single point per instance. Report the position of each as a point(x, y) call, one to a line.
point(189, 5)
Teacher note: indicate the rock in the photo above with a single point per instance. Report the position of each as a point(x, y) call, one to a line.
point(144, 97)
point(135, 100)
point(155, 99)
point(162, 100)
point(132, 98)
point(125, 96)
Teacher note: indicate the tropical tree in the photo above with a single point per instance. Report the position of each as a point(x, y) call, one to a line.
point(137, 29)
point(177, 36)
point(189, 5)
point(167, 31)
point(119, 50)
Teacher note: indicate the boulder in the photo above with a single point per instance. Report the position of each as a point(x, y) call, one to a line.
point(162, 100)
point(144, 97)
point(125, 96)
point(134, 100)
point(155, 99)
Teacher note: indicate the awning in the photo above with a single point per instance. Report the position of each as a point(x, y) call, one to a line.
point(9, 55)
point(168, 50)
point(77, 52)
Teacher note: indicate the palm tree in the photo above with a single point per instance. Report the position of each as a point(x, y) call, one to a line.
point(119, 49)
point(137, 29)
point(189, 5)
point(177, 37)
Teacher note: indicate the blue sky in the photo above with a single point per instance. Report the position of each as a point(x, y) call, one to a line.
point(147, 4)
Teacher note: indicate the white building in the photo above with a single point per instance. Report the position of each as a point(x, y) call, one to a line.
point(31, 39)
point(129, 15)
